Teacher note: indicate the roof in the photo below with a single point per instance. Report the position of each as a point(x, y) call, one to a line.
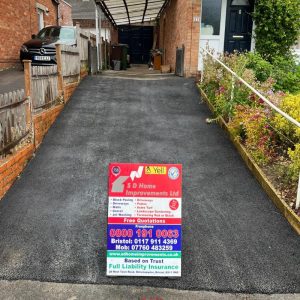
point(83, 9)
point(121, 12)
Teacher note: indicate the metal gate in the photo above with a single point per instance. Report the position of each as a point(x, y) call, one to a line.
point(179, 70)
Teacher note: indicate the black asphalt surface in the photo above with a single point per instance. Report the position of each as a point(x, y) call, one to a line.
point(53, 220)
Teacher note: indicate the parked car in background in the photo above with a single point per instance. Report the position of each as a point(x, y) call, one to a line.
point(41, 48)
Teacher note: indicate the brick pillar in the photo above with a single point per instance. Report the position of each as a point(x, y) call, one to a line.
point(195, 37)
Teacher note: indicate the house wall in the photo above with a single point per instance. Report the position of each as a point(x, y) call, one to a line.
point(180, 25)
point(18, 21)
point(65, 13)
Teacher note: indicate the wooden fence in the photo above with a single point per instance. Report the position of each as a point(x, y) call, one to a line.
point(14, 119)
point(70, 61)
point(44, 86)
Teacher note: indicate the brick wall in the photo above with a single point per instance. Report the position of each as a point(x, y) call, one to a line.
point(69, 90)
point(18, 21)
point(179, 27)
point(43, 121)
point(12, 166)
point(114, 35)
point(65, 13)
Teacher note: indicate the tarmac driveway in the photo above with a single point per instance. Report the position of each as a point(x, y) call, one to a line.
point(53, 220)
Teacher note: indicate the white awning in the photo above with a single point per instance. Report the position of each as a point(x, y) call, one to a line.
point(122, 12)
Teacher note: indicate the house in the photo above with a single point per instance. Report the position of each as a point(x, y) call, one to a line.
point(84, 13)
point(223, 25)
point(20, 19)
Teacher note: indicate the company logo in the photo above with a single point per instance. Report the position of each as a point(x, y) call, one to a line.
point(156, 170)
point(42, 51)
point(116, 170)
point(173, 173)
point(137, 174)
point(174, 204)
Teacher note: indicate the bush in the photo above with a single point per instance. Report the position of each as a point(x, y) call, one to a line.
point(290, 105)
point(277, 27)
point(262, 68)
point(294, 167)
point(286, 74)
point(284, 71)
point(250, 126)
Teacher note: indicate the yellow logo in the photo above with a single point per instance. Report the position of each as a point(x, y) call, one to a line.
point(156, 170)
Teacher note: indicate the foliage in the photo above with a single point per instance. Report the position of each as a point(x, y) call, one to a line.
point(265, 134)
point(262, 68)
point(290, 105)
point(286, 73)
point(277, 27)
point(250, 126)
point(294, 167)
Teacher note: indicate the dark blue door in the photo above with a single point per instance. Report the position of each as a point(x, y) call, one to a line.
point(239, 25)
point(140, 41)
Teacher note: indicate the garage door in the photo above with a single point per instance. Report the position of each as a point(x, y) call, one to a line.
point(140, 41)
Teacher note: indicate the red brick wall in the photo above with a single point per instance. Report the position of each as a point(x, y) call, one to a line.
point(65, 13)
point(70, 88)
point(12, 166)
point(43, 121)
point(18, 21)
point(114, 35)
point(177, 28)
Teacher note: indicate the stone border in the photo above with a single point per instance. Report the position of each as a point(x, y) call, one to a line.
point(288, 213)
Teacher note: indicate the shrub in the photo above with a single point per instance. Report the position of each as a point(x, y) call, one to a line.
point(262, 68)
point(286, 73)
point(250, 126)
point(294, 167)
point(277, 27)
point(290, 105)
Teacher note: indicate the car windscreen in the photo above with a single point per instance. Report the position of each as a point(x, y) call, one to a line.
point(67, 34)
point(48, 32)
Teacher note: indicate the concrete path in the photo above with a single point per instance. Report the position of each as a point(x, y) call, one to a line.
point(53, 220)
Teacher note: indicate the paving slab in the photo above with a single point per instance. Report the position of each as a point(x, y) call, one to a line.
point(53, 220)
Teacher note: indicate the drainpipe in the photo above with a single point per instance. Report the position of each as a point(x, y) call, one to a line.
point(57, 13)
point(100, 39)
point(97, 37)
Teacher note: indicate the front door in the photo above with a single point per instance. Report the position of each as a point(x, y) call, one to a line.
point(239, 25)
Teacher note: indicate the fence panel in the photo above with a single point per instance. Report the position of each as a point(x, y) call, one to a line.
point(70, 60)
point(83, 49)
point(13, 119)
point(44, 86)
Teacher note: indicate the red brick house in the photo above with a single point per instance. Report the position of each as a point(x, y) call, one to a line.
point(20, 19)
point(225, 25)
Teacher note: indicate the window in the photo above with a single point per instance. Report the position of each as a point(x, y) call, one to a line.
point(67, 34)
point(240, 3)
point(211, 17)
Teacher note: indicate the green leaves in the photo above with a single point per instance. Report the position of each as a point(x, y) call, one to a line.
point(277, 27)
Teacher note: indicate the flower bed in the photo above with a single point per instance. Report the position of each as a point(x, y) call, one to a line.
point(271, 140)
